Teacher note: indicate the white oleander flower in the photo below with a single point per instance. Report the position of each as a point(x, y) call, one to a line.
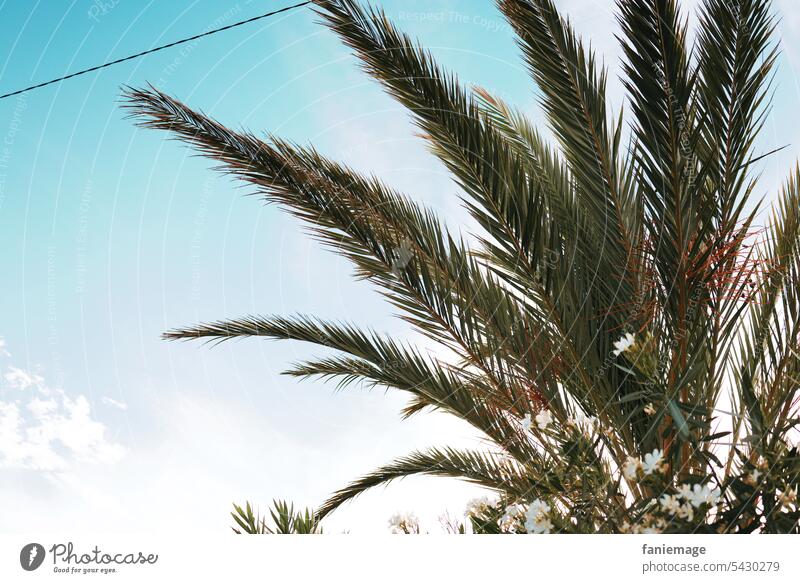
point(509, 519)
point(583, 422)
point(538, 507)
point(536, 519)
point(541, 526)
point(631, 467)
point(703, 495)
point(477, 506)
point(714, 496)
point(649, 409)
point(649, 525)
point(404, 524)
point(653, 461)
point(527, 422)
point(624, 344)
point(670, 504)
point(514, 510)
point(543, 419)
point(685, 491)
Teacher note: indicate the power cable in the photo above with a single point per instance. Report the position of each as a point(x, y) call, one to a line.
point(161, 48)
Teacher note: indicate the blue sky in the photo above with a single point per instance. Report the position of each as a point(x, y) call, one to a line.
point(111, 234)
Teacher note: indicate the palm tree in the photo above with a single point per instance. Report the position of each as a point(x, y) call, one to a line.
point(619, 329)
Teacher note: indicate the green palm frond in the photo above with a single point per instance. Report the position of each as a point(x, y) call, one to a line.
point(484, 469)
point(500, 196)
point(600, 267)
point(735, 60)
point(573, 87)
point(614, 291)
point(770, 349)
point(285, 520)
point(370, 225)
point(377, 360)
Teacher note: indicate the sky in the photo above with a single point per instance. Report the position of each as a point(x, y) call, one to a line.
point(111, 234)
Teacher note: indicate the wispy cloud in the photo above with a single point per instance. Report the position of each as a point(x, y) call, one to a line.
point(45, 429)
point(114, 403)
point(16, 378)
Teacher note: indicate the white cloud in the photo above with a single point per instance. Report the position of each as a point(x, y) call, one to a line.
point(51, 434)
point(22, 379)
point(46, 429)
point(182, 475)
point(3, 351)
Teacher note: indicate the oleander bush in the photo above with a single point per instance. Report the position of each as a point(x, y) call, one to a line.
point(619, 326)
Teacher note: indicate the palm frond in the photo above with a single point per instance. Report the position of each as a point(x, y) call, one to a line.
point(611, 293)
point(487, 470)
point(767, 382)
point(500, 195)
point(378, 360)
point(285, 520)
point(735, 61)
point(573, 87)
point(403, 248)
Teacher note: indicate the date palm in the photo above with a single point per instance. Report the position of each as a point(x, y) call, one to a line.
point(618, 328)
